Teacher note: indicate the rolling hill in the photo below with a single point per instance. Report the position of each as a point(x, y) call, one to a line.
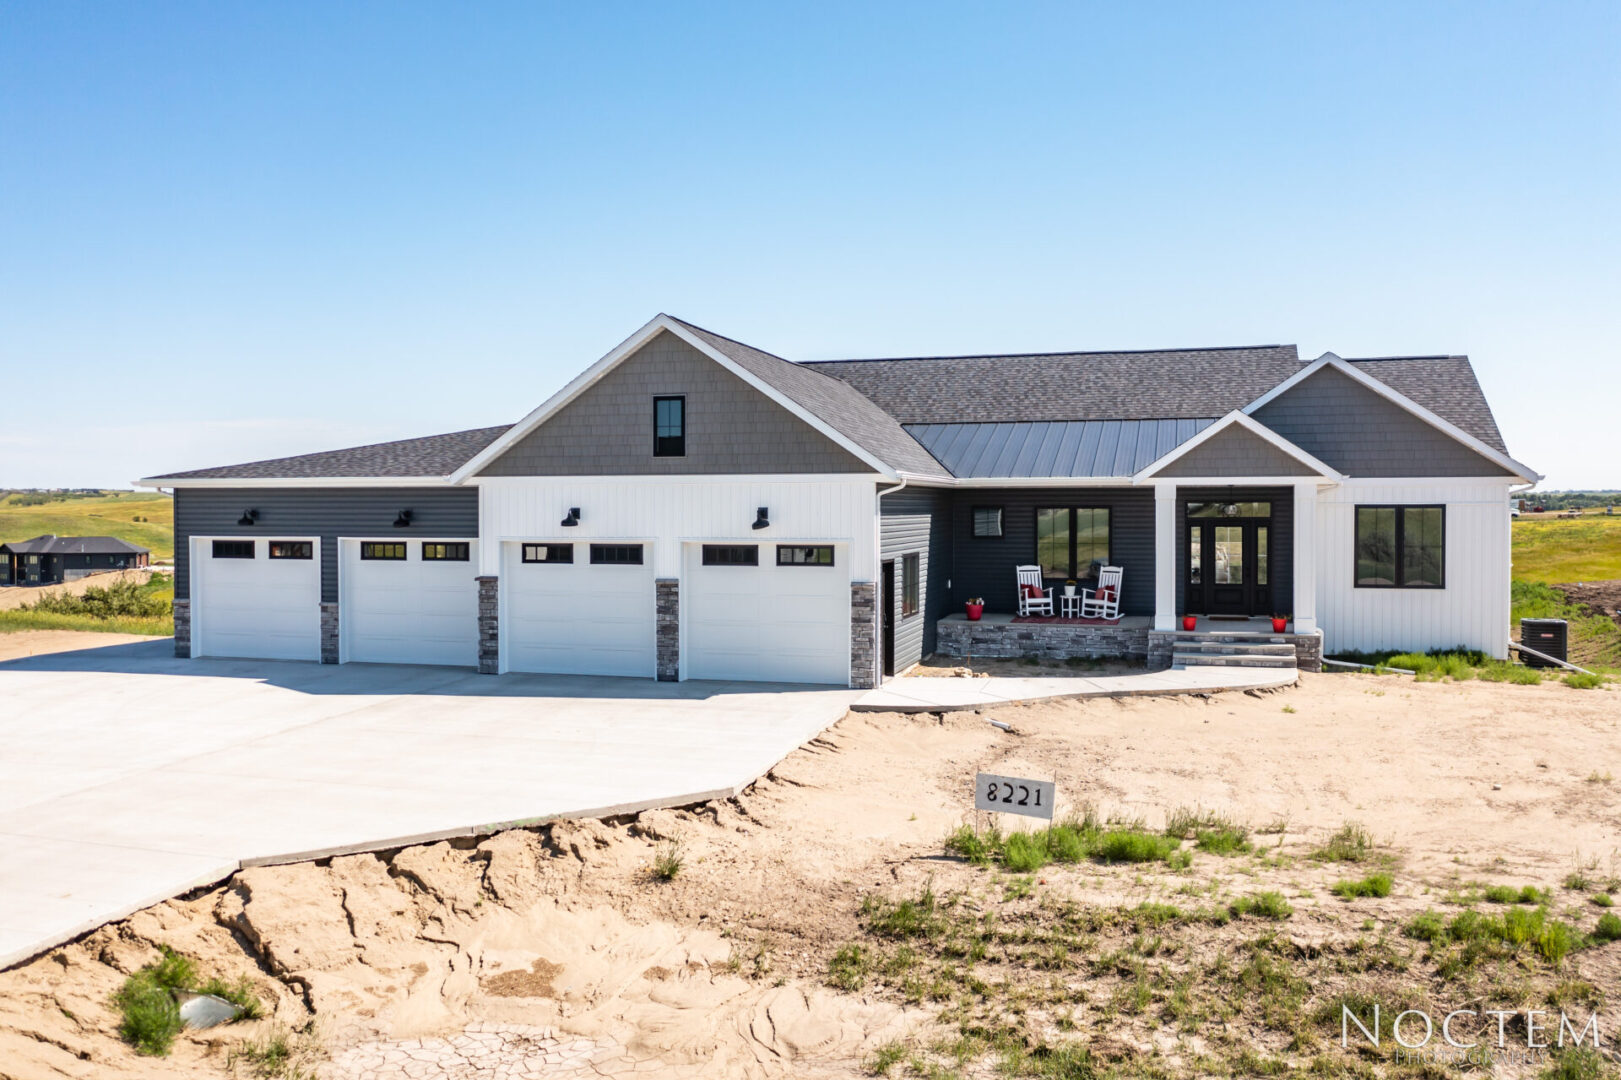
point(112, 513)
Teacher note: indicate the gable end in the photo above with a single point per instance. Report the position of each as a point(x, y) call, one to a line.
point(1236, 451)
point(1355, 430)
point(731, 428)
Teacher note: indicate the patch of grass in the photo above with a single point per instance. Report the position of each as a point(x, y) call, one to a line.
point(887, 1057)
point(1372, 885)
point(1601, 900)
point(1595, 639)
point(1584, 680)
point(1229, 841)
point(1351, 842)
point(668, 860)
point(1263, 905)
point(239, 993)
point(1508, 894)
point(1518, 674)
point(1548, 550)
point(16, 619)
point(1072, 841)
point(1516, 928)
point(1608, 928)
point(1134, 846)
point(150, 1015)
point(1577, 1064)
point(849, 968)
point(279, 1054)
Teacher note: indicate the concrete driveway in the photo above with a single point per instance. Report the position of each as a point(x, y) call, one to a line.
point(127, 776)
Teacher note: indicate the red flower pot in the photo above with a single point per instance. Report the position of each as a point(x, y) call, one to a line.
point(1279, 625)
point(974, 611)
point(1190, 622)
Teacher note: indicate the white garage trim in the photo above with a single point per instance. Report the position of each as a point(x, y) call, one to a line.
point(407, 611)
point(765, 623)
point(578, 618)
point(250, 608)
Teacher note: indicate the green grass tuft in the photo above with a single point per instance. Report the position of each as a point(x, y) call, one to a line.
point(1352, 842)
point(1608, 928)
point(1372, 885)
point(668, 860)
point(1263, 905)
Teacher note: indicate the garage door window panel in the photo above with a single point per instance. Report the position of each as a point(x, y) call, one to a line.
point(382, 552)
point(548, 553)
point(231, 549)
point(616, 554)
point(806, 555)
point(446, 552)
point(731, 555)
point(292, 549)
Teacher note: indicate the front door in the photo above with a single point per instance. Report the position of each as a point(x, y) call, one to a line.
point(1228, 568)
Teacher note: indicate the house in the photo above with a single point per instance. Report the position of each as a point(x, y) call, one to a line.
point(691, 507)
point(47, 560)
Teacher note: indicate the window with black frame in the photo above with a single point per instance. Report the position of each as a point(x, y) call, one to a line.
point(911, 583)
point(1072, 542)
point(669, 427)
point(1401, 547)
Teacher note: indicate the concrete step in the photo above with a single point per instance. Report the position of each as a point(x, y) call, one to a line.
point(1196, 659)
point(1253, 648)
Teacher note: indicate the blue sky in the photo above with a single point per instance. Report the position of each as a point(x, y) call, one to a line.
point(232, 231)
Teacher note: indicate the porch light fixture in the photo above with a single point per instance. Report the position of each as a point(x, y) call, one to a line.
point(403, 521)
point(248, 518)
point(573, 518)
point(762, 518)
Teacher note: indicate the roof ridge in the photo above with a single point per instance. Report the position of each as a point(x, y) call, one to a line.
point(1041, 355)
point(805, 364)
point(1429, 356)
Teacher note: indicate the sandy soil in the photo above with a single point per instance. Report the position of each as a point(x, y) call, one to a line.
point(555, 951)
point(17, 595)
point(34, 642)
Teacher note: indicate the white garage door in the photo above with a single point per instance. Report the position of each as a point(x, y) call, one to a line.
point(409, 601)
point(765, 621)
point(579, 609)
point(256, 598)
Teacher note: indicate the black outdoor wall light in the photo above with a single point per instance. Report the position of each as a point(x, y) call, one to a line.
point(248, 518)
point(404, 520)
point(573, 518)
point(762, 518)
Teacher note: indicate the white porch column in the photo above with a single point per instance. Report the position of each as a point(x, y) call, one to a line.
point(1305, 548)
point(1165, 555)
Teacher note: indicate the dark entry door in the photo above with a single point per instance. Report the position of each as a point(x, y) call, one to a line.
point(1229, 568)
point(887, 620)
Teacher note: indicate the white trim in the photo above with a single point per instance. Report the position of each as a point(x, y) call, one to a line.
point(345, 626)
point(624, 349)
point(1520, 470)
point(680, 478)
point(1254, 427)
point(294, 482)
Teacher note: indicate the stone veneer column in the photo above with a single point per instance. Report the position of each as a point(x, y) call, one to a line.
point(182, 629)
point(489, 625)
point(667, 602)
point(863, 635)
point(329, 633)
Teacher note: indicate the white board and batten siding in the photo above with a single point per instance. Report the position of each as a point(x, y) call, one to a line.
point(1472, 610)
point(671, 516)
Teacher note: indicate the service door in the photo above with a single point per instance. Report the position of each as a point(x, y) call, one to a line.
point(767, 612)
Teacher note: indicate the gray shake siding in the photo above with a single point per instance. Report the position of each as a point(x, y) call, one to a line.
point(917, 520)
point(732, 428)
point(1360, 433)
point(1235, 452)
point(325, 512)
point(984, 567)
point(1280, 540)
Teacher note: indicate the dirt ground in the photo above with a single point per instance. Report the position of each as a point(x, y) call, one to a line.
point(34, 642)
point(556, 952)
point(15, 596)
point(1603, 597)
point(986, 667)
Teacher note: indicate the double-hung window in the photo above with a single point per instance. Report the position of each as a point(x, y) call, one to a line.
point(1401, 547)
point(669, 427)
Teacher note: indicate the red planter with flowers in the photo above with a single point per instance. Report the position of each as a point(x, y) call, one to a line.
point(974, 611)
point(1190, 622)
point(1280, 624)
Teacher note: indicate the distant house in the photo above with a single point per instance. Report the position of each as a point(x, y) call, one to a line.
point(46, 560)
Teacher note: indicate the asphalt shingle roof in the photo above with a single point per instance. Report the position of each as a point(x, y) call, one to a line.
point(1445, 385)
point(73, 545)
point(433, 455)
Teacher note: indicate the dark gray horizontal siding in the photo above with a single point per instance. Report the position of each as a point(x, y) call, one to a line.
point(1281, 542)
point(917, 520)
point(985, 567)
point(1348, 426)
point(1235, 452)
point(325, 512)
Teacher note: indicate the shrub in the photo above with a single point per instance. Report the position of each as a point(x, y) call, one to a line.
point(1352, 842)
point(1372, 885)
point(1134, 846)
point(150, 1014)
point(1601, 900)
point(1608, 928)
point(1263, 905)
point(120, 599)
point(1508, 894)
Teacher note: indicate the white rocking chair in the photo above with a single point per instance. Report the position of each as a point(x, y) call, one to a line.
point(1103, 602)
point(1039, 604)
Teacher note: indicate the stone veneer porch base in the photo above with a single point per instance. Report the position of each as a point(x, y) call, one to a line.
point(999, 637)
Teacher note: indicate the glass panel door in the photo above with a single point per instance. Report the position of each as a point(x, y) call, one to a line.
point(1229, 554)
